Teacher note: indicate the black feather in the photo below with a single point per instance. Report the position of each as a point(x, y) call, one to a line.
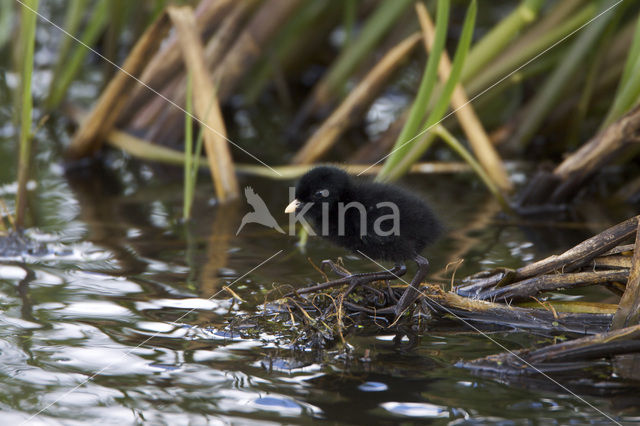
point(417, 225)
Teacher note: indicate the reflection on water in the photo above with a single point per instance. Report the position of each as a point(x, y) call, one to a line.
point(114, 320)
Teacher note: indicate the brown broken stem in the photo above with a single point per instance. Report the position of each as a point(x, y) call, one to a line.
point(167, 62)
point(89, 137)
point(248, 46)
point(216, 47)
point(355, 104)
point(206, 104)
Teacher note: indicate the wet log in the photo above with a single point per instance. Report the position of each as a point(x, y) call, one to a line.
point(441, 305)
point(561, 356)
point(530, 287)
point(479, 311)
point(568, 261)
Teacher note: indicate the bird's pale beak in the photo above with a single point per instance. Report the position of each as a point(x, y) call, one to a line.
point(292, 206)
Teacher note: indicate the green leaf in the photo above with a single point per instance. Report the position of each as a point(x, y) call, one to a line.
point(188, 151)
point(554, 87)
point(628, 93)
point(494, 42)
point(72, 65)
point(419, 107)
point(28, 40)
point(418, 145)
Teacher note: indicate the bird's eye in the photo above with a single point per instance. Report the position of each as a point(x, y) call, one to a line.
point(322, 193)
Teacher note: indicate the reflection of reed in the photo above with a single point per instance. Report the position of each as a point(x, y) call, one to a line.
point(222, 228)
point(106, 219)
point(481, 219)
point(209, 283)
point(23, 291)
point(627, 366)
point(26, 310)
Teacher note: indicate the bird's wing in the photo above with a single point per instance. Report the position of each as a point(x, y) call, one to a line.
point(254, 199)
point(258, 204)
point(375, 236)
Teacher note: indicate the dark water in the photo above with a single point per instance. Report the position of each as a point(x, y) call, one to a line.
point(120, 315)
point(122, 319)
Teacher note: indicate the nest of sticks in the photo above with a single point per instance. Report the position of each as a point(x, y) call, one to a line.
point(498, 299)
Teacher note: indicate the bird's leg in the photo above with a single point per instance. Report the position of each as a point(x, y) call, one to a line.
point(388, 274)
point(352, 279)
point(411, 293)
point(398, 270)
point(368, 277)
point(392, 297)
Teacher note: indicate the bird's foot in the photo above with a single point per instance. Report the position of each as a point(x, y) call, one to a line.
point(335, 267)
point(355, 280)
point(362, 279)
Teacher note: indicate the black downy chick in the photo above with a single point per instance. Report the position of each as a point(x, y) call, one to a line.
point(378, 221)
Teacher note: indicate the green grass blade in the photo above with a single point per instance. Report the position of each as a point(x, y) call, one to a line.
point(628, 93)
point(634, 53)
point(72, 21)
point(419, 107)
point(627, 98)
point(553, 88)
point(500, 36)
point(6, 19)
point(374, 29)
point(188, 151)
point(197, 155)
point(349, 19)
point(459, 149)
point(28, 39)
point(92, 31)
point(505, 66)
point(456, 68)
point(406, 157)
point(282, 46)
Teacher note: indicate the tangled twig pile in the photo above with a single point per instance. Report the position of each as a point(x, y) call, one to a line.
point(509, 299)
